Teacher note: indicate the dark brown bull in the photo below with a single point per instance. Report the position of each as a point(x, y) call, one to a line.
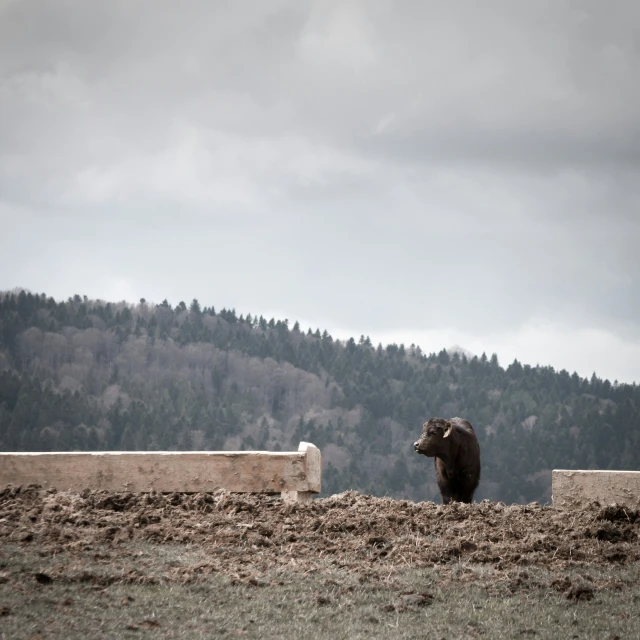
point(454, 446)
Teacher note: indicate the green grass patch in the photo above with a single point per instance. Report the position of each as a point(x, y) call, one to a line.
point(172, 591)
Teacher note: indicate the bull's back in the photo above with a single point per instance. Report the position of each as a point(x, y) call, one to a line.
point(461, 424)
point(468, 446)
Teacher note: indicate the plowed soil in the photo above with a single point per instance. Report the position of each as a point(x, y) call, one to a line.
point(244, 536)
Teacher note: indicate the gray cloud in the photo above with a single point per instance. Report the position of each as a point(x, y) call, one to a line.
point(393, 168)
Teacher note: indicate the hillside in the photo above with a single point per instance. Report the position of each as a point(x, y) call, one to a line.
point(84, 375)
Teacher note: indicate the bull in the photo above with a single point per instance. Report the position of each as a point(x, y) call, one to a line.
point(454, 445)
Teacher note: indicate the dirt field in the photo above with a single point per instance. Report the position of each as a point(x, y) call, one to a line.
point(339, 567)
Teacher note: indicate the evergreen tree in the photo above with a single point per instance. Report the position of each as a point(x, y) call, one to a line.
point(84, 374)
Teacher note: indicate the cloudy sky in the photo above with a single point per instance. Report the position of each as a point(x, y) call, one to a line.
point(423, 172)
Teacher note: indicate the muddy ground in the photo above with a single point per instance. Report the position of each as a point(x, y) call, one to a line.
point(101, 564)
point(246, 535)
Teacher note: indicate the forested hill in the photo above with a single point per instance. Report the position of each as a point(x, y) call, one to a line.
point(89, 375)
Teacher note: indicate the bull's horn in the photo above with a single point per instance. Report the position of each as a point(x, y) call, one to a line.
point(447, 432)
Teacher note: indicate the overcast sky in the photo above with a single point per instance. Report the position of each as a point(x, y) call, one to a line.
point(423, 172)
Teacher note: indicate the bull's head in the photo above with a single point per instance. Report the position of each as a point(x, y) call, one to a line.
point(431, 441)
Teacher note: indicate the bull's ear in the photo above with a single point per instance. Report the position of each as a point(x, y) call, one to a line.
point(448, 428)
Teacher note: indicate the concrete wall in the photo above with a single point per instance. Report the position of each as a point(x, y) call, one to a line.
point(576, 488)
point(168, 471)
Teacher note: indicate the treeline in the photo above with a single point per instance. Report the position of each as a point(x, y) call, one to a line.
point(89, 375)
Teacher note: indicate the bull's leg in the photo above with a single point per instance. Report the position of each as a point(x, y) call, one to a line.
point(447, 495)
point(465, 493)
point(460, 491)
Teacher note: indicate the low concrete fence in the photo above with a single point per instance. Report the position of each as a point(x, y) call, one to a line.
point(576, 488)
point(296, 475)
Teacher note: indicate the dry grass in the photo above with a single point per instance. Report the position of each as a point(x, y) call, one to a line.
point(102, 565)
point(168, 591)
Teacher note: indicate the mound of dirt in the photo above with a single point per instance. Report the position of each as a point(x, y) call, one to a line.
point(348, 530)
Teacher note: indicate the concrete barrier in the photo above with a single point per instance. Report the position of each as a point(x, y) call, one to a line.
point(576, 488)
point(296, 475)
